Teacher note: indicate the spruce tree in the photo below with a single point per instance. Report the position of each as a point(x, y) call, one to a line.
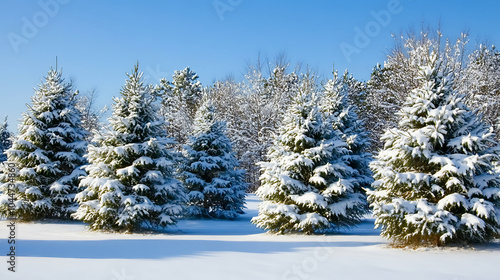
point(188, 89)
point(48, 153)
point(338, 110)
point(216, 188)
point(180, 100)
point(306, 185)
point(131, 181)
point(435, 178)
point(5, 140)
point(390, 83)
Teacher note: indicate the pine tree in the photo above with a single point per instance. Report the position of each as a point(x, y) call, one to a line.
point(5, 140)
point(306, 184)
point(390, 83)
point(174, 113)
point(216, 187)
point(189, 90)
point(338, 110)
point(130, 183)
point(48, 153)
point(181, 98)
point(435, 178)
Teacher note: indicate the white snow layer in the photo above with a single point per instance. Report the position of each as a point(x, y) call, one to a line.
point(220, 250)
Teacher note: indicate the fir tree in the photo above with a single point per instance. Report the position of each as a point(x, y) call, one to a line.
point(5, 140)
point(216, 188)
point(306, 185)
point(130, 183)
point(435, 178)
point(48, 153)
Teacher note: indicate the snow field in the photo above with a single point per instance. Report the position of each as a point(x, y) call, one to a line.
point(215, 249)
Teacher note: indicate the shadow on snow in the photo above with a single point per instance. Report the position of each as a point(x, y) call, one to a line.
point(159, 249)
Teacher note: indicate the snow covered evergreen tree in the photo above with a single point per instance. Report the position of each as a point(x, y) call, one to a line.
point(216, 188)
point(130, 183)
point(307, 184)
point(390, 83)
point(173, 111)
point(181, 98)
point(5, 140)
point(189, 90)
point(336, 105)
point(435, 178)
point(48, 153)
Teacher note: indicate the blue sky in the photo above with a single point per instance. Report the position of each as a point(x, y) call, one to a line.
point(96, 42)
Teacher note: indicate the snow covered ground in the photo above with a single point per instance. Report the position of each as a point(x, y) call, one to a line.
point(231, 250)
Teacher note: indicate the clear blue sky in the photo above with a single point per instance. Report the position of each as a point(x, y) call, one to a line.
point(96, 42)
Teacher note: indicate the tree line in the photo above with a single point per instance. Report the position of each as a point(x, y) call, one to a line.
point(426, 164)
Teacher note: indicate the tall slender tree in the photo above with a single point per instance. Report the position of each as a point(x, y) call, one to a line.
point(180, 100)
point(341, 112)
point(188, 89)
